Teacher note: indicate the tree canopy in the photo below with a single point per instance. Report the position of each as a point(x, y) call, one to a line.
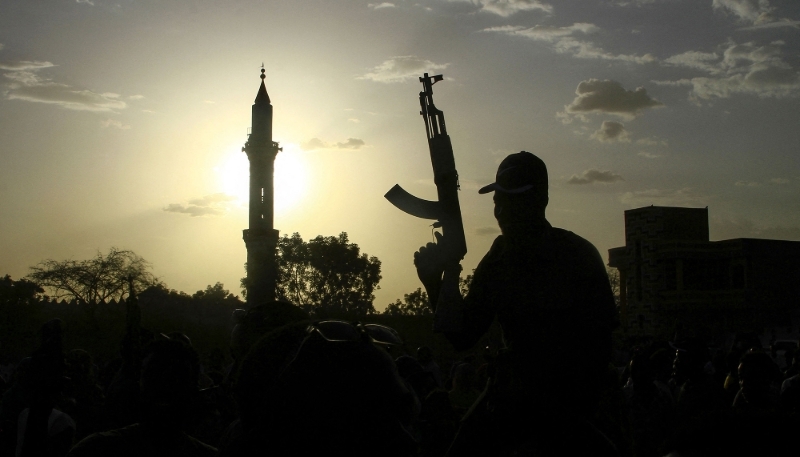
point(98, 279)
point(417, 304)
point(327, 275)
point(413, 304)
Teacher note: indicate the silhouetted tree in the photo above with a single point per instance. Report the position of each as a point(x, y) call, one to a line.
point(217, 294)
point(413, 304)
point(416, 303)
point(18, 292)
point(94, 280)
point(326, 275)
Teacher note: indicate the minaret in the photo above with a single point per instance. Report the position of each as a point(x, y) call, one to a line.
point(261, 238)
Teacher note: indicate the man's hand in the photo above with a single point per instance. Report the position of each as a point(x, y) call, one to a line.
point(430, 262)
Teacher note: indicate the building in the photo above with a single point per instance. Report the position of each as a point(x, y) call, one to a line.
point(672, 275)
point(261, 237)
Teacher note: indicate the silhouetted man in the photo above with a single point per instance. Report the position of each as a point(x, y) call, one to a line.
point(549, 290)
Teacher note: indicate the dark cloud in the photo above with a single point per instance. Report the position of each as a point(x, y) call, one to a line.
point(210, 205)
point(592, 176)
point(741, 68)
point(402, 68)
point(611, 131)
point(487, 231)
point(596, 96)
point(752, 11)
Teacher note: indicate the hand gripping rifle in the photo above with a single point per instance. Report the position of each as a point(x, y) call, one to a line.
point(446, 211)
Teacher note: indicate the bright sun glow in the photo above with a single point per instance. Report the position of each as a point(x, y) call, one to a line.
point(291, 177)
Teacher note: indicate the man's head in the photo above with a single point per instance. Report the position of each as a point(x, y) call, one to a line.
point(520, 188)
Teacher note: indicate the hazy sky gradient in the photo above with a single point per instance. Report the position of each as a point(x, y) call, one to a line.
point(122, 122)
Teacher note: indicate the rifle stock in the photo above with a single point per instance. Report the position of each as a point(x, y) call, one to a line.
point(446, 211)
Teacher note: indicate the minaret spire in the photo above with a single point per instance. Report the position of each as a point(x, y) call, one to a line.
point(261, 238)
point(262, 97)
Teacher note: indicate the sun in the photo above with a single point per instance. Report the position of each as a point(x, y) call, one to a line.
point(290, 182)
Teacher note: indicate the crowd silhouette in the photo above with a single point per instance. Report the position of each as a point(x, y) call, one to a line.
point(300, 387)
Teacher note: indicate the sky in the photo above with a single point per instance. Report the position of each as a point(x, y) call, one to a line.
point(122, 122)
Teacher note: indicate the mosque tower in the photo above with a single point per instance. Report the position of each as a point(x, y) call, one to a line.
point(261, 237)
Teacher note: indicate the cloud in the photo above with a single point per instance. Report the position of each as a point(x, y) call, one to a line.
point(774, 25)
point(740, 69)
point(563, 41)
point(506, 8)
point(353, 120)
point(648, 155)
point(135, 97)
point(487, 231)
point(753, 11)
point(85, 2)
point(313, 143)
point(351, 143)
point(401, 68)
point(210, 205)
point(665, 197)
point(611, 131)
point(745, 228)
point(592, 176)
point(316, 143)
point(779, 181)
point(546, 33)
point(25, 84)
point(114, 123)
point(706, 61)
point(22, 65)
point(748, 184)
point(380, 6)
point(608, 97)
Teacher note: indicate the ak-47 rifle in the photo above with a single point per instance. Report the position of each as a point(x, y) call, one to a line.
point(446, 211)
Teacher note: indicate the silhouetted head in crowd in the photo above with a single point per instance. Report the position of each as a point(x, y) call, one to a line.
point(45, 373)
point(178, 336)
point(420, 380)
point(170, 370)
point(80, 367)
point(424, 355)
point(251, 325)
point(691, 356)
point(297, 389)
point(464, 377)
point(661, 363)
point(520, 190)
point(756, 372)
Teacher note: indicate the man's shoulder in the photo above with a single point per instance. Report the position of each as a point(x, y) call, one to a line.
point(571, 239)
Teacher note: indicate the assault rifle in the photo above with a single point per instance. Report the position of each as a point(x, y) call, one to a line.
point(446, 211)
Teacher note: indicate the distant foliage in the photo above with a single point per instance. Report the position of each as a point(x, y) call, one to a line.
point(417, 304)
point(327, 275)
point(101, 278)
point(413, 304)
point(217, 294)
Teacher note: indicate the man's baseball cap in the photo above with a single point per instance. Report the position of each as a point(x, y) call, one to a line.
point(519, 173)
